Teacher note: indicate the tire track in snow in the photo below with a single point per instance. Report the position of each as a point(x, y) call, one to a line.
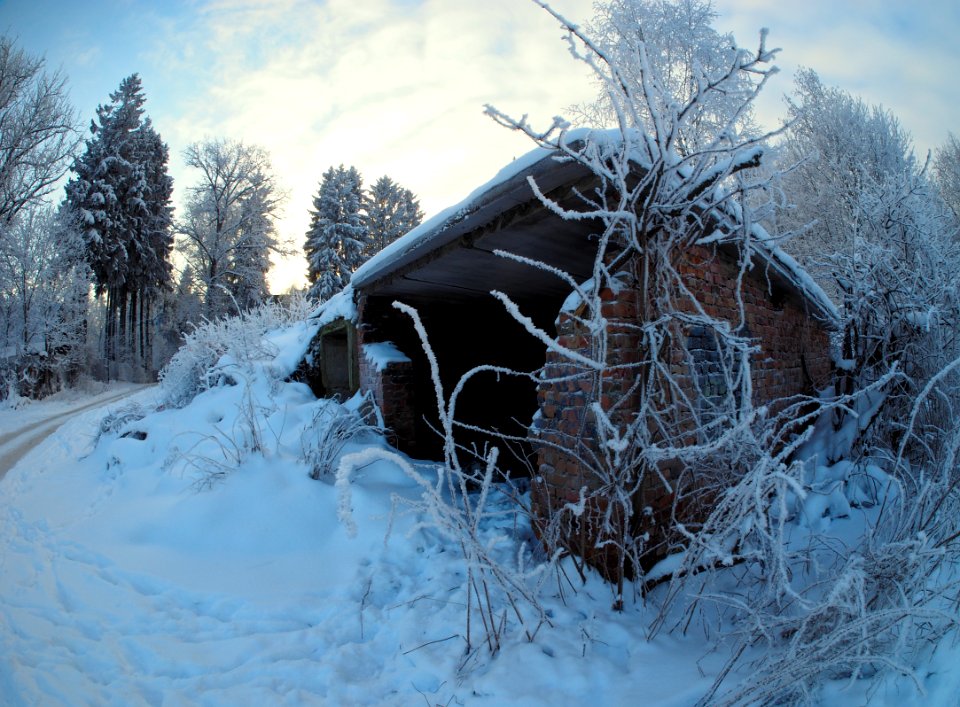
point(26, 438)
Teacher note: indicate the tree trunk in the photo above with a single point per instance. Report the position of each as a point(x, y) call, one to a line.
point(122, 348)
point(26, 313)
point(145, 332)
point(109, 355)
point(135, 353)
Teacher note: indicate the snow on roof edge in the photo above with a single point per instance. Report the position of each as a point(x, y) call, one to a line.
point(437, 224)
point(340, 306)
point(788, 267)
point(797, 274)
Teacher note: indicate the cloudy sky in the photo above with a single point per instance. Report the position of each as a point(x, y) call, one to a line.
point(397, 87)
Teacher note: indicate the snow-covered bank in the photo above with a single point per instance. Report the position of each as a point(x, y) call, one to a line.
point(154, 554)
point(123, 583)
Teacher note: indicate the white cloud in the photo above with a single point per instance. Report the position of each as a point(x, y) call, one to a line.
point(900, 55)
point(392, 88)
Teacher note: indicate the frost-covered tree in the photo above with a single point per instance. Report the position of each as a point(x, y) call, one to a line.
point(120, 198)
point(684, 55)
point(389, 212)
point(869, 224)
point(227, 232)
point(44, 283)
point(247, 280)
point(947, 171)
point(150, 269)
point(38, 135)
point(836, 148)
point(335, 240)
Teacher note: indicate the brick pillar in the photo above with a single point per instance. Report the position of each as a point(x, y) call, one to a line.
point(391, 386)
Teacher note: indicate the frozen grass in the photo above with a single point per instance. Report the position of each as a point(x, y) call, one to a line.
point(213, 351)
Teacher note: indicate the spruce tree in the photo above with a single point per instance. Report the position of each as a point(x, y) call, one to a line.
point(335, 240)
point(390, 212)
point(120, 199)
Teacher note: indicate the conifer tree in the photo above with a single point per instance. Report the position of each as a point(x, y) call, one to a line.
point(335, 240)
point(390, 212)
point(120, 198)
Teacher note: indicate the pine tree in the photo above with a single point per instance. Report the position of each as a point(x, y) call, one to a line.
point(335, 240)
point(120, 198)
point(390, 212)
point(150, 269)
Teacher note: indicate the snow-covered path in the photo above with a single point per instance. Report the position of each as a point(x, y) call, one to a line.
point(14, 444)
point(121, 582)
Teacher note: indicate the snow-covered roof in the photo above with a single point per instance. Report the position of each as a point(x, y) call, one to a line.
point(510, 188)
point(790, 270)
point(340, 306)
point(474, 210)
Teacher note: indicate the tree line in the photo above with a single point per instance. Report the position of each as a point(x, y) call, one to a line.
point(116, 232)
point(108, 279)
point(349, 224)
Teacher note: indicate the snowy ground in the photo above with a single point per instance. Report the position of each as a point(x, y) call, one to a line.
point(25, 423)
point(184, 556)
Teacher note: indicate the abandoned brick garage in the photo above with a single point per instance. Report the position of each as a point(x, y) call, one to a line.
point(446, 269)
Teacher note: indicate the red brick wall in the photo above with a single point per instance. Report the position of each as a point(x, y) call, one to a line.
point(795, 348)
point(392, 387)
point(793, 358)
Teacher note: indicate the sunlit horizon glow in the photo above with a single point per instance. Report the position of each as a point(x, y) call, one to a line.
point(397, 87)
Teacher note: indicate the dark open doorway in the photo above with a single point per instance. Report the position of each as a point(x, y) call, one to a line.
point(465, 333)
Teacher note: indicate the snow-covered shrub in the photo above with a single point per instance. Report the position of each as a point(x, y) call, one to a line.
point(332, 428)
point(810, 604)
point(10, 398)
point(869, 607)
point(214, 455)
point(873, 228)
point(502, 588)
point(251, 354)
point(118, 419)
point(214, 348)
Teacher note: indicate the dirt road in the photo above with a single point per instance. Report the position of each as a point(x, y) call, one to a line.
point(15, 444)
